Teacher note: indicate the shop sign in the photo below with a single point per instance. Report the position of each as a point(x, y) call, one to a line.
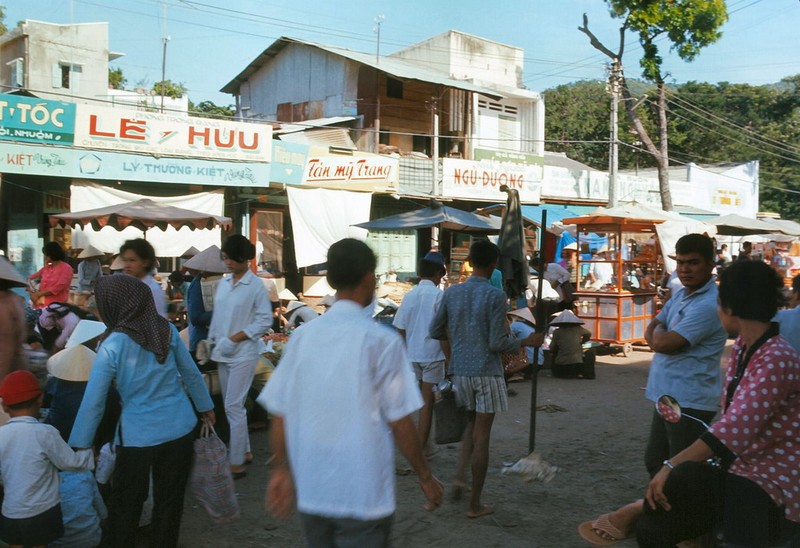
point(33, 120)
point(563, 183)
point(482, 180)
point(288, 162)
point(358, 172)
point(158, 134)
point(508, 156)
point(96, 164)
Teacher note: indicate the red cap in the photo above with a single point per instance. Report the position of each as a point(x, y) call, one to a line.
point(19, 386)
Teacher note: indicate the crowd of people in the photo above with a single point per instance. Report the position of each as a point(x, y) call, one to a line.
point(348, 391)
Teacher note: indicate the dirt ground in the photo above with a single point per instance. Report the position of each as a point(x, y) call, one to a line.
point(597, 444)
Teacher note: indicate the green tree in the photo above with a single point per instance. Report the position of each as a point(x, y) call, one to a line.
point(116, 80)
point(3, 28)
point(207, 109)
point(689, 25)
point(577, 124)
point(168, 88)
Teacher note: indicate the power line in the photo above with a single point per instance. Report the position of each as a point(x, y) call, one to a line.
point(722, 121)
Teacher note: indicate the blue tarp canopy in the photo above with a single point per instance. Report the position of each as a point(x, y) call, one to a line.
point(594, 241)
point(533, 213)
point(445, 217)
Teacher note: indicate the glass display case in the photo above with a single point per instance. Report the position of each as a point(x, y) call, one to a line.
point(619, 265)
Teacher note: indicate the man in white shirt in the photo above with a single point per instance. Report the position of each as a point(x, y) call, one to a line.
point(601, 272)
point(341, 397)
point(413, 321)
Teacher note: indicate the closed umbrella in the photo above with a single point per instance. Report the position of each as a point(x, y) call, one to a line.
point(513, 263)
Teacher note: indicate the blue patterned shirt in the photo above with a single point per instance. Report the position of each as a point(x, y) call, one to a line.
point(472, 315)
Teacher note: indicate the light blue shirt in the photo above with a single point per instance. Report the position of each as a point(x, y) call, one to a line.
point(472, 315)
point(522, 330)
point(155, 407)
point(82, 509)
point(790, 326)
point(692, 376)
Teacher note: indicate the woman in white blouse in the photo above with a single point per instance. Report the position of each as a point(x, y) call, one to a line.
point(242, 315)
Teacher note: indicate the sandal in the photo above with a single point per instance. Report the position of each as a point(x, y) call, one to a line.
point(590, 532)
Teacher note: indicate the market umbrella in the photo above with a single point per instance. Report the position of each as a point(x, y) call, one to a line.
point(435, 214)
point(790, 228)
point(737, 225)
point(511, 242)
point(141, 214)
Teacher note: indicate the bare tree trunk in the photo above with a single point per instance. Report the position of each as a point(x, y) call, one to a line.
point(659, 152)
point(663, 149)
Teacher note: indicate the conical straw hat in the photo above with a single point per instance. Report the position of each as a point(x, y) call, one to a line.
point(10, 274)
point(71, 364)
point(286, 295)
point(90, 251)
point(320, 288)
point(294, 305)
point(524, 313)
point(86, 330)
point(207, 260)
point(191, 252)
point(566, 317)
point(117, 263)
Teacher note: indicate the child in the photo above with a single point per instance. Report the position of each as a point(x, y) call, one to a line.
point(31, 454)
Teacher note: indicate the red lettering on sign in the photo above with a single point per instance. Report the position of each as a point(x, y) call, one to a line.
point(204, 134)
point(93, 128)
point(132, 129)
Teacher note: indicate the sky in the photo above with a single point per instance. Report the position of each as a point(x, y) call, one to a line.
point(211, 41)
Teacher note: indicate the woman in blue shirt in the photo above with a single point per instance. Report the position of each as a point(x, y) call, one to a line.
point(143, 355)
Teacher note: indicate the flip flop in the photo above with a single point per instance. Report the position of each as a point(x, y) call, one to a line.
point(485, 510)
point(588, 531)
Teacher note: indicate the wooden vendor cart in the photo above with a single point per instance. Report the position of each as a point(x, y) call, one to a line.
point(617, 281)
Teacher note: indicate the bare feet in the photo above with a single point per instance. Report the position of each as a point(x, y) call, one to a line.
point(484, 510)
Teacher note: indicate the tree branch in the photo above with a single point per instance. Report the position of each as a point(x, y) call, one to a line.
point(596, 44)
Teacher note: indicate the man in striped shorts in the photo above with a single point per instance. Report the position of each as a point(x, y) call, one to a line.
point(472, 317)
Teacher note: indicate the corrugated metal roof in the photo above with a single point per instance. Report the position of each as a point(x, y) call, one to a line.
point(560, 159)
point(399, 68)
point(311, 124)
point(335, 136)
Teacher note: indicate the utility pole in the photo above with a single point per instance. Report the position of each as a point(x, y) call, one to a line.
point(613, 154)
point(377, 30)
point(435, 146)
point(164, 40)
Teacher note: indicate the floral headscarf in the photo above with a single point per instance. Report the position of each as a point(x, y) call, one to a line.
point(126, 306)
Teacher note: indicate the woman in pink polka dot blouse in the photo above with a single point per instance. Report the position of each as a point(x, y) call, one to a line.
point(756, 500)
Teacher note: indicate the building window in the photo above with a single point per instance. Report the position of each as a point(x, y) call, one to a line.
point(422, 143)
point(266, 228)
point(17, 73)
point(66, 75)
point(394, 88)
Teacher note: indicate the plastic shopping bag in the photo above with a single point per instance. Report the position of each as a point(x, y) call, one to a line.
point(451, 419)
point(211, 480)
